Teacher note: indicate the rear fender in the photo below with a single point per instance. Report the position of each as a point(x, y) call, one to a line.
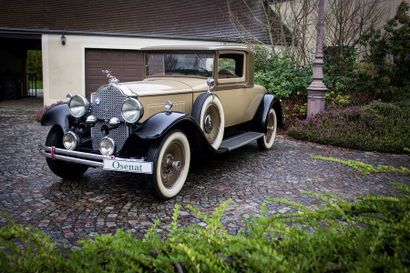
point(269, 101)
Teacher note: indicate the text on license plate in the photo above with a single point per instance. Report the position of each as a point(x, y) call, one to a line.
point(127, 165)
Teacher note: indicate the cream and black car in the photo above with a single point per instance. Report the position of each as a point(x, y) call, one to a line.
point(193, 101)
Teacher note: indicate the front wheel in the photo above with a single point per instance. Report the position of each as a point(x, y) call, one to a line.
point(63, 169)
point(171, 160)
point(266, 142)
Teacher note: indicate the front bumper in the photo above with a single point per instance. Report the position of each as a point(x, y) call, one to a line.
point(95, 160)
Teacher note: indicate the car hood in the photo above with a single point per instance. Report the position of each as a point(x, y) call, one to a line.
point(163, 86)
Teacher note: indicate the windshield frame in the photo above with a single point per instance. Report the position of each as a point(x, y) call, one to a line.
point(211, 52)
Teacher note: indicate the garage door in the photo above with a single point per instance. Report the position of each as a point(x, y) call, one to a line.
point(126, 65)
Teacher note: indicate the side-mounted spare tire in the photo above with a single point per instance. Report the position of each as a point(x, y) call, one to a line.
point(208, 112)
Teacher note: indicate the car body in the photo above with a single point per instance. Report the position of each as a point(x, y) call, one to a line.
point(194, 100)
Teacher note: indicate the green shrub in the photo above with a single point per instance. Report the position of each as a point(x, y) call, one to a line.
point(387, 64)
point(279, 75)
point(383, 127)
point(370, 235)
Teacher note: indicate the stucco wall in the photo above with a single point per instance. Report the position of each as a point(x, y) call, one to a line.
point(64, 66)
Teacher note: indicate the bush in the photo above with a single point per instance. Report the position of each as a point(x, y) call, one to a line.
point(279, 75)
point(383, 127)
point(386, 63)
point(371, 235)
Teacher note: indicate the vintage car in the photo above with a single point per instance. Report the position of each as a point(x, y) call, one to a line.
point(193, 101)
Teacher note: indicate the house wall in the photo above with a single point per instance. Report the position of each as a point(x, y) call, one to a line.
point(64, 66)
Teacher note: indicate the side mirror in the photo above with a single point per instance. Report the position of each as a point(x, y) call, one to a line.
point(211, 83)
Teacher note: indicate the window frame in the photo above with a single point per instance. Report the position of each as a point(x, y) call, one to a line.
point(240, 81)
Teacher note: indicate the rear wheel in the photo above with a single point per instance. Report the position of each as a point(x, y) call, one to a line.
point(60, 168)
point(171, 160)
point(266, 142)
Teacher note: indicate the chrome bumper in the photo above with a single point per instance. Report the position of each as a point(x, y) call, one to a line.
point(109, 163)
point(88, 159)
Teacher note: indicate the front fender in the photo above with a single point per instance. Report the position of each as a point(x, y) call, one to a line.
point(57, 115)
point(157, 126)
point(269, 101)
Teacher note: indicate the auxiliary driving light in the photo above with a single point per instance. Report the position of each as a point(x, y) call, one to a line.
point(107, 146)
point(70, 140)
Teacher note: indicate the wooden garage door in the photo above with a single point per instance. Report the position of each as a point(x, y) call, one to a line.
point(126, 65)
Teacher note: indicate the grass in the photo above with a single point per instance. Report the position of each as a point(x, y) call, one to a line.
point(383, 127)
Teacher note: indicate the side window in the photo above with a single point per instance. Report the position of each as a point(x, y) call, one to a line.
point(230, 66)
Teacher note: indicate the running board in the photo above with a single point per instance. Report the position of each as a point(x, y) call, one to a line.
point(240, 140)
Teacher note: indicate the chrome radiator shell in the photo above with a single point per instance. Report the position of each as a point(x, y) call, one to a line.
point(106, 103)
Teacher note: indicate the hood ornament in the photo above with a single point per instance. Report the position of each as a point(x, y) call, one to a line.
point(111, 78)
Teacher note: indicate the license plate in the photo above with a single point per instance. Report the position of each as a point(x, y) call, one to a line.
point(127, 165)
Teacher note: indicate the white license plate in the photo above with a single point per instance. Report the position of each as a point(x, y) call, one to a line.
point(127, 165)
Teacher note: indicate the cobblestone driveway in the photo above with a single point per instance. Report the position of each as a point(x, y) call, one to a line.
point(102, 201)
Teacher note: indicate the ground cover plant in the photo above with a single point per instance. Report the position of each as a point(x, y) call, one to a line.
point(369, 235)
point(379, 126)
point(364, 168)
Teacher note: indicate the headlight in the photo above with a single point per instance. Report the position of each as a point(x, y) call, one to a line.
point(70, 141)
point(107, 146)
point(78, 106)
point(132, 110)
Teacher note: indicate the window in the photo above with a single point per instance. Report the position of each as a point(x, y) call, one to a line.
point(230, 66)
point(179, 64)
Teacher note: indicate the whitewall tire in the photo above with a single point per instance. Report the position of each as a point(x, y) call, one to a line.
point(266, 142)
point(211, 119)
point(171, 160)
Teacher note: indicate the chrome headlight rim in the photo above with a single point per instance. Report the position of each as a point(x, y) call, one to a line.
point(127, 114)
point(112, 142)
point(78, 106)
point(76, 141)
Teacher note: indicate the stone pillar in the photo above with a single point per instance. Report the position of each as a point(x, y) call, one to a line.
point(316, 90)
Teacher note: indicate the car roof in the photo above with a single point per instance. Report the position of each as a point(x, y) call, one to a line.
point(195, 47)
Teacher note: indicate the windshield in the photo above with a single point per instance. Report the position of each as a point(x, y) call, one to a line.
point(179, 64)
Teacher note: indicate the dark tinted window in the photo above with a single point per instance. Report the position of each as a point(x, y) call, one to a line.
point(230, 66)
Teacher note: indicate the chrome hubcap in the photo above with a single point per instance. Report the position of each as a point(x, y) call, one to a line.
point(212, 123)
point(208, 124)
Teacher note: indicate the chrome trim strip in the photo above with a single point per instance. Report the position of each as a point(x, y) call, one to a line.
point(73, 159)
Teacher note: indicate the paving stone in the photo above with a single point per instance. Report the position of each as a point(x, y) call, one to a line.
point(101, 202)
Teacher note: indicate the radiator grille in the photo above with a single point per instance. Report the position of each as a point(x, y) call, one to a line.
point(106, 103)
point(119, 135)
point(110, 101)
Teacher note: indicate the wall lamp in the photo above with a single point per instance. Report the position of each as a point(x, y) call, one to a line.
point(63, 40)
